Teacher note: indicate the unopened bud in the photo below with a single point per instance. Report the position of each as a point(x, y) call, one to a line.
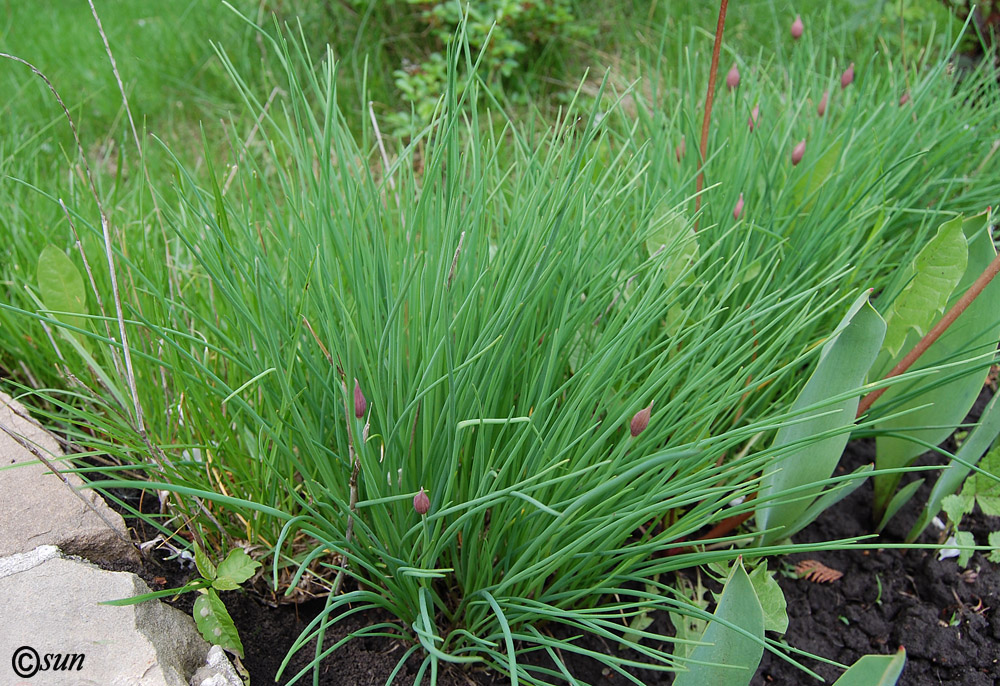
point(733, 78)
point(421, 503)
point(360, 404)
point(738, 210)
point(904, 98)
point(847, 77)
point(797, 27)
point(821, 108)
point(754, 113)
point(798, 152)
point(641, 420)
point(680, 149)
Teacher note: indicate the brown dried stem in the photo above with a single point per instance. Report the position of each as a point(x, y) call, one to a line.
point(709, 97)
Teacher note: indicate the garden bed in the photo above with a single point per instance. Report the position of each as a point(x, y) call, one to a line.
point(945, 616)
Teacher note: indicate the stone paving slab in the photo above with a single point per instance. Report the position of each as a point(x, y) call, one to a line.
point(38, 508)
point(56, 634)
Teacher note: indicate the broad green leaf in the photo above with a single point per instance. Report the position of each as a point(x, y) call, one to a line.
point(956, 507)
point(939, 404)
point(994, 542)
point(674, 240)
point(936, 270)
point(874, 670)
point(61, 286)
point(964, 540)
point(968, 455)
point(214, 622)
point(843, 363)
point(204, 565)
point(234, 570)
point(902, 497)
point(728, 657)
point(772, 599)
point(987, 486)
point(806, 187)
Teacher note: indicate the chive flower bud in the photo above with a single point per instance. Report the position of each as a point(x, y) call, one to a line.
point(798, 152)
point(733, 78)
point(641, 420)
point(821, 108)
point(680, 149)
point(797, 27)
point(904, 98)
point(421, 503)
point(360, 404)
point(847, 77)
point(738, 210)
point(754, 113)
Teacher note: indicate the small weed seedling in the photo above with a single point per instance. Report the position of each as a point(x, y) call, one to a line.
point(210, 614)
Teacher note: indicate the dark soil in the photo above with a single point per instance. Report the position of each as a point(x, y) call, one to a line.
point(944, 616)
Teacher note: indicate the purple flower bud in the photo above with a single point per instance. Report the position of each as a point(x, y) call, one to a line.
point(847, 77)
point(797, 27)
point(360, 404)
point(641, 420)
point(738, 210)
point(421, 503)
point(733, 78)
point(798, 152)
point(904, 98)
point(821, 108)
point(680, 149)
point(754, 113)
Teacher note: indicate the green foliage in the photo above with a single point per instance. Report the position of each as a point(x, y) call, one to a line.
point(826, 408)
point(210, 613)
point(506, 37)
point(874, 670)
point(733, 642)
point(60, 285)
point(963, 462)
point(936, 272)
point(925, 411)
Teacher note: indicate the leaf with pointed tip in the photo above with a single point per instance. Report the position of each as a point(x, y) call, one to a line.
point(215, 624)
point(843, 364)
point(936, 270)
point(874, 670)
point(61, 286)
point(941, 404)
point(234, 570)
point(728, 657)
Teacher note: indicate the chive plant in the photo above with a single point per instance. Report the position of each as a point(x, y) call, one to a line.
point(492, 381)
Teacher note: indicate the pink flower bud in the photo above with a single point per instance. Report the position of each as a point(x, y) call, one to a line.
point(421, 503)
point(821, 108)
point(360, 404)
point(733, 78)
point(847, 77)
point(798, 152)
point(797, 27)
point(904, 98)
point(641, 420)
point(680, 149)
point(754, 113)
point(738, 210)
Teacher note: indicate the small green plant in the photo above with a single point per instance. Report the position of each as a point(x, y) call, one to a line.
point(210, 614)
point(981, 488)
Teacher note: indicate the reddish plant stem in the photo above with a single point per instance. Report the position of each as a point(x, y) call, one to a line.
point(947, 320)
point(709, 97)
